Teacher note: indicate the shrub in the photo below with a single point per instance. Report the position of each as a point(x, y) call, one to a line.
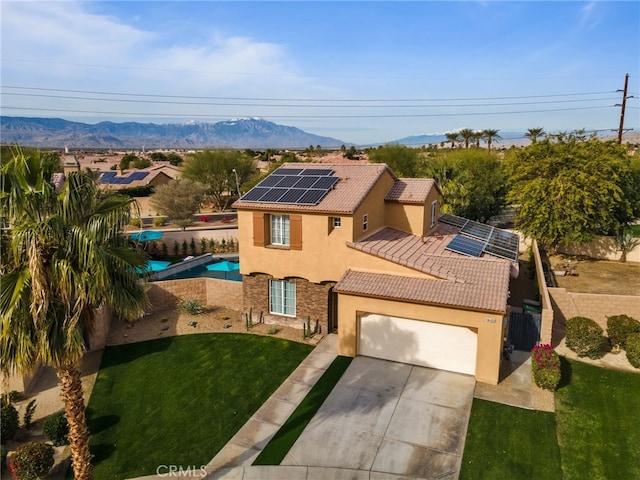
point(3, 457)
point(191, 306)
point(56, 428)
point(9, 421)
point(584, 337)
point(135, 222)
point(545, 365)
point(272, 330)
point(619, 327)
point(633, 349)
point(31, 461)
point(159, 221)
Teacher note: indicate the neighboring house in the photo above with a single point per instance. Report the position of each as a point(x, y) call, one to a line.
point(133, 178)
point(364, 253)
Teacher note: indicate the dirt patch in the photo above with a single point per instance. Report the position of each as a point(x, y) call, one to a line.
point(215, 320)
point(598, 276)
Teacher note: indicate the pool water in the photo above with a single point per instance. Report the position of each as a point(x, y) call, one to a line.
point(201, 271)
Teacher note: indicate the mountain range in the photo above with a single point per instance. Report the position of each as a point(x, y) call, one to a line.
point(254, 133)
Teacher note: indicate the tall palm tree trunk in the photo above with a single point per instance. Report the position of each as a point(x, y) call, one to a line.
point(71, 392)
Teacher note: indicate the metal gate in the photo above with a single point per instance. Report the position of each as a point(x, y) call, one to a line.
point(524, 330)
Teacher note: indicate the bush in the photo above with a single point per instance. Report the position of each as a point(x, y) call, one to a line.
point(633, 349)
point(3, 457)
point(619, 327)
point(135, 222)
point(191, 306)
point(9, 421)
point(545, 365)
point(31, 461)
point(159, 221)
point(584, 337)
point(56, 428)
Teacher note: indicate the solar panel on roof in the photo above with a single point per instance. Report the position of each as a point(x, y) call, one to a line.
point(288, 181)
point(453, 220)
point(477, 230)
point(305, 182)
point(289, 171)
point(501, 252)
point(292, 195)
point(271, 181)
point(254, 194)
point(465, 246)
point(326, 183)
point(273, 195)
point(108, 174)
point(311, 197)
point(318, 172)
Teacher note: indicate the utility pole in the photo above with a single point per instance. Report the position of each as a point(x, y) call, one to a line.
point(623, 106)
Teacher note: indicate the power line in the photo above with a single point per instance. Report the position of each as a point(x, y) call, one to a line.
point(191, 97)
point(299, 105)
point(417, 115)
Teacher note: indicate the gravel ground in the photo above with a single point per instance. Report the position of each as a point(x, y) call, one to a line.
point(216, 319)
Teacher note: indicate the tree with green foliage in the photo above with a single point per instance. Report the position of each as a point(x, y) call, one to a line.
point(141, 163)
point(467, 135)
point(490, 135)
point(127, 160)
point(179, 200)
point(158, 157)
point(289, 157)
point(174, 159)
point(569, 188)
point(404, 161)
point(65, 255)
point(214, 169)
point(472, 183)
point(534, 134)
point(453, 137)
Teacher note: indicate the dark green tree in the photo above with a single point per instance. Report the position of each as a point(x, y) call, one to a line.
point(174, 159)
point(570, 188)
point(534, 134)
point(158, 157)
point(214, 169)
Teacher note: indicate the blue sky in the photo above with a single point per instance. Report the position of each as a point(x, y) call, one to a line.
point(362, 72)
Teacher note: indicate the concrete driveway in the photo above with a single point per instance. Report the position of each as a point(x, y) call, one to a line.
point(390, 418)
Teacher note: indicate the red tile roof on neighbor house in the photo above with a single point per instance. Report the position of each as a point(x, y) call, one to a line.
point(356, 181)
point(469, 282)
point(411, 190)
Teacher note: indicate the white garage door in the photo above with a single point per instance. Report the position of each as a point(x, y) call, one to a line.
point(427, 344)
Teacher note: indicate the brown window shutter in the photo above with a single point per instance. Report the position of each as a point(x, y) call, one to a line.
point(258, 229)
point(295, 232)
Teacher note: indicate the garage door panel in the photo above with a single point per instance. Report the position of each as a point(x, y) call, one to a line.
point(429, 344)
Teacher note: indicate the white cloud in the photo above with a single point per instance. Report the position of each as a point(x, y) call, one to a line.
point(588, 18)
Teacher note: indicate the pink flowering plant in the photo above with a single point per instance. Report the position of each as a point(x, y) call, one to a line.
point(545, 365)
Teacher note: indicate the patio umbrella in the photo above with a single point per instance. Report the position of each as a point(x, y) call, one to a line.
point(146, 235)
point(153, 266)
point(224, 266)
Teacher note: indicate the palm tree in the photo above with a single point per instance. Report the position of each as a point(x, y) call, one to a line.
point(452, 137)
point(467, 136)
point(64, 257)
point(534, 133)
point(490, 135)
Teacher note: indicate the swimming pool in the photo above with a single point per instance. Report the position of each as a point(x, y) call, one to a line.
point(199, 270)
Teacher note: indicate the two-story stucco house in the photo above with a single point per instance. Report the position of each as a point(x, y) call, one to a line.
point(367, 255)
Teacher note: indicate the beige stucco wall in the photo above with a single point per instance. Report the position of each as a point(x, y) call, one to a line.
point(325, 255)
point(490, 335)
point(603, 248)
point(374, 207)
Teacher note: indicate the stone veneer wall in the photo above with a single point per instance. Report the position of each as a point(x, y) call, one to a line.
point(166, 294)
point(311, 300)
point(595, 306)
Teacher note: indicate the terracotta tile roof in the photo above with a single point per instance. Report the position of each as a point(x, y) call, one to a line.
point(356, 181)
point(488, 295)
point(468, 282)
point(410, 190)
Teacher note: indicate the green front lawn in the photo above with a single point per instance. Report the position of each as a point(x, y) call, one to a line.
point(510, 443)
point(598, 415)
point(177, 401)
point(594, 433)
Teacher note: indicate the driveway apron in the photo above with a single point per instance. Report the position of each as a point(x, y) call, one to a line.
point(391, 418)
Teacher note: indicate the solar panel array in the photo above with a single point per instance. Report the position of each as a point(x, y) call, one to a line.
point(296, 186)
point(476, 238)
point(110, 178)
